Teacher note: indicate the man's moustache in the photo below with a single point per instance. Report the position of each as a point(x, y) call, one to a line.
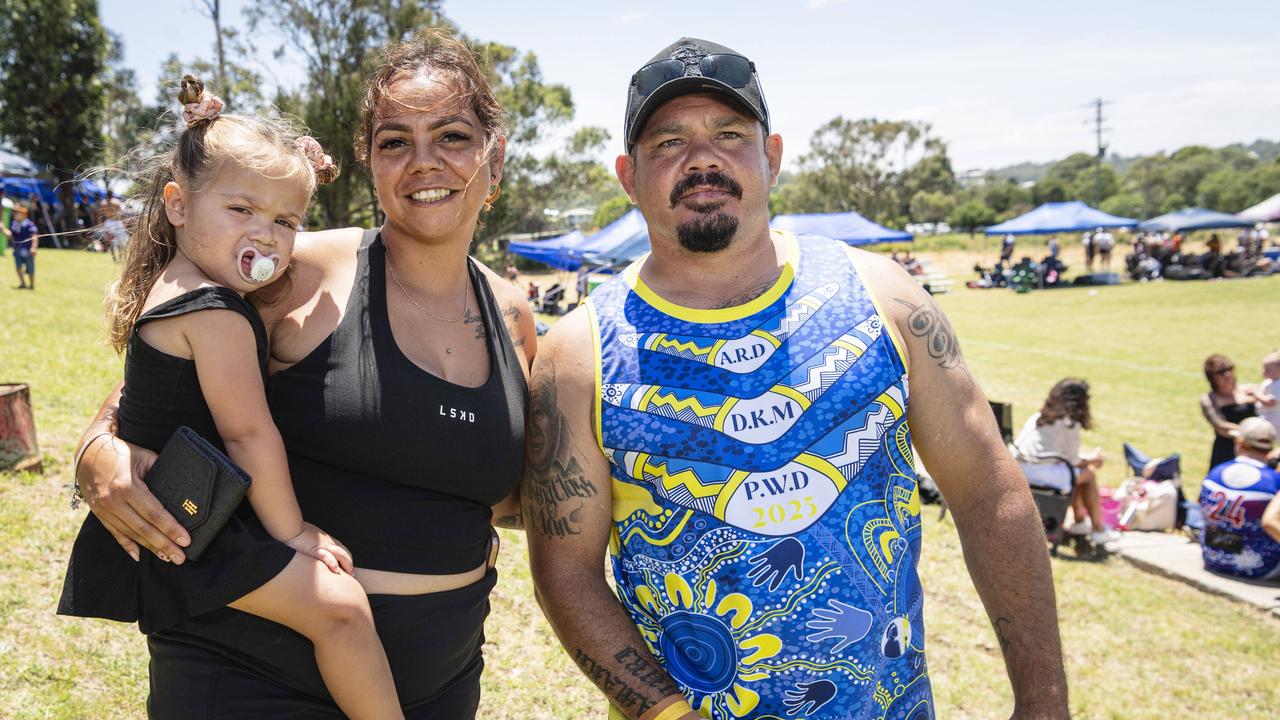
point(712, 179)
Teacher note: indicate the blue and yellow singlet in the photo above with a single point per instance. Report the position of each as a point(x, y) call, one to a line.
point(766, 521)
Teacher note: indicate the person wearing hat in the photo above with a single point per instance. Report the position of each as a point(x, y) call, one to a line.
point(731, 417)
point(1233, 500)
point(21, 234)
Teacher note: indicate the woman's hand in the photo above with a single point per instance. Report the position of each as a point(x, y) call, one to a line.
point(1094, 458)
point(322, 546)
point(110, 477)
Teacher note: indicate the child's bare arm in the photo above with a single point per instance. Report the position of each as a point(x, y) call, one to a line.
point(225, 352)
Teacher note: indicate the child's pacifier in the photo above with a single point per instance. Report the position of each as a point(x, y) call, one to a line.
point(255, 267)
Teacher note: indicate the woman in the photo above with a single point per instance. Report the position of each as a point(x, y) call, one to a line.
point(1224, 406)
point(399, 391)
point(1055, 432)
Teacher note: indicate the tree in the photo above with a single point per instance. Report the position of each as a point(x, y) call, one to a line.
point(123, 110)
point(534, 108)
point(610, 210)
point(1000, 195)
point(859, 165)
point(52, 55)
point(932, 175)
point(931, 207)
point(1050, 189)
point(1225, 189)
point(1100, 184)
point(971, 216)
point(1076, 177)
point(213, 10)
point(338, 41)
point(1125, 204)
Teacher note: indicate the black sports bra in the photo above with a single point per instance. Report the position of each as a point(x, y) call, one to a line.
point(398, 464)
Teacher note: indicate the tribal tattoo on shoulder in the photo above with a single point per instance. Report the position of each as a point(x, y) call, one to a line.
point(555, 486)
point(928, 323)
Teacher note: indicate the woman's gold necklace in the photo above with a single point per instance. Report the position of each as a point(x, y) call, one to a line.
point(466, 297)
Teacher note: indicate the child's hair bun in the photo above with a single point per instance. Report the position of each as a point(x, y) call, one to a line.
point(197, 105)
point(192, 89)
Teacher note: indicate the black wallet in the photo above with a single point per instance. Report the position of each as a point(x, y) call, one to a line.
point(198, 485)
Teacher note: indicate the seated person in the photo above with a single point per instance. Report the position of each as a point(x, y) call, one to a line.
point(912, 265)
point(1233, 499)
point(552, 298)
point(533, 292)
point(1055, 430)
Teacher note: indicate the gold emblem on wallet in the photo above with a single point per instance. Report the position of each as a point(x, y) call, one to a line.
point(189, 506)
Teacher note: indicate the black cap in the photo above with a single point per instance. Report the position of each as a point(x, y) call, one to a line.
point(690, 51)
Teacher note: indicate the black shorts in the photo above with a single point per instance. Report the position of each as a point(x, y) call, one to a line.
point(233, 666)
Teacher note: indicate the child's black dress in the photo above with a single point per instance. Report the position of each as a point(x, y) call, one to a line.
point(161, 392)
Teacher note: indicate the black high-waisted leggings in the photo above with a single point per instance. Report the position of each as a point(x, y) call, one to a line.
point(230, 665)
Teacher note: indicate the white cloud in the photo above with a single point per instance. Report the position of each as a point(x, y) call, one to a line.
point(631, 17)
point(816, 4)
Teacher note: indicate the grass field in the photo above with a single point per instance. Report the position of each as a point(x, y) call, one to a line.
point(1137, 646)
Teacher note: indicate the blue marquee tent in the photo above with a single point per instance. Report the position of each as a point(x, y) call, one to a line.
point(556, 252)
point(25, 188)
point(621, 241)
point(849, 227)
point(1056, 217)
point(1193, 218)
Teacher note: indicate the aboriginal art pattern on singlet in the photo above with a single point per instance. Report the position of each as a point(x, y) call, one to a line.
point(766, 520)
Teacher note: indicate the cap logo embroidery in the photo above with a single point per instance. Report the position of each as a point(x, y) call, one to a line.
point(189, 506)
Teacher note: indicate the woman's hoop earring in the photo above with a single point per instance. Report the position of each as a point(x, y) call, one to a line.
point(494, 191)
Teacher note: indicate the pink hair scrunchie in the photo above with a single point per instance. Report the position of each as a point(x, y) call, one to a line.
point(321, 163)
point(207, 108)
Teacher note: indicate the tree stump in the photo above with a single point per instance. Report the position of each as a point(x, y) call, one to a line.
point(19, 450)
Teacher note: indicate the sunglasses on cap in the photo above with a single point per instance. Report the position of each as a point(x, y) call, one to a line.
point(732, 70)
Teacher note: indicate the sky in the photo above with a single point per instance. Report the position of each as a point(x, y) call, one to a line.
point(1001, 82)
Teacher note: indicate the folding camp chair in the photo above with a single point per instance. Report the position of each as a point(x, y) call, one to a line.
point(1052, 503)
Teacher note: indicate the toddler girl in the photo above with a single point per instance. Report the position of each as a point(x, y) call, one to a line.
point(219, 221)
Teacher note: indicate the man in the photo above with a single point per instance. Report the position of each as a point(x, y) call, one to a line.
point(1234, 499)
point(21, 234)
point(111, 230)
point(1006, 249)
point(744, 450)
point(1106, 242)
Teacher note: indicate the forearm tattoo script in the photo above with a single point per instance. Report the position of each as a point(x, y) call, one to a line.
point(556, 487)
point(928, 323)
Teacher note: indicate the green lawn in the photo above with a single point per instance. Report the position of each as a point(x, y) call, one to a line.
point(1138, 646)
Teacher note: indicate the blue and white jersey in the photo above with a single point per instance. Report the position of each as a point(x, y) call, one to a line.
point(766, 520)
point(1232, 499)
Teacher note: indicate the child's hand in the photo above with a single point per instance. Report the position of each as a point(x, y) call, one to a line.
point(320, 545)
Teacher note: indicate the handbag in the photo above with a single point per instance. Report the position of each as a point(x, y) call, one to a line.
point(199, 485)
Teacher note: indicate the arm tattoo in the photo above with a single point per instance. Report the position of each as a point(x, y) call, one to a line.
point(511, 313)
point(927, 322)
point(556, 487)
point(628, 690)
point(999, 626)
point(510, 522)
point(746, 297)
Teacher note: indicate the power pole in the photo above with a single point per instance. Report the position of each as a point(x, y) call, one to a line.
point(1102, 149)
